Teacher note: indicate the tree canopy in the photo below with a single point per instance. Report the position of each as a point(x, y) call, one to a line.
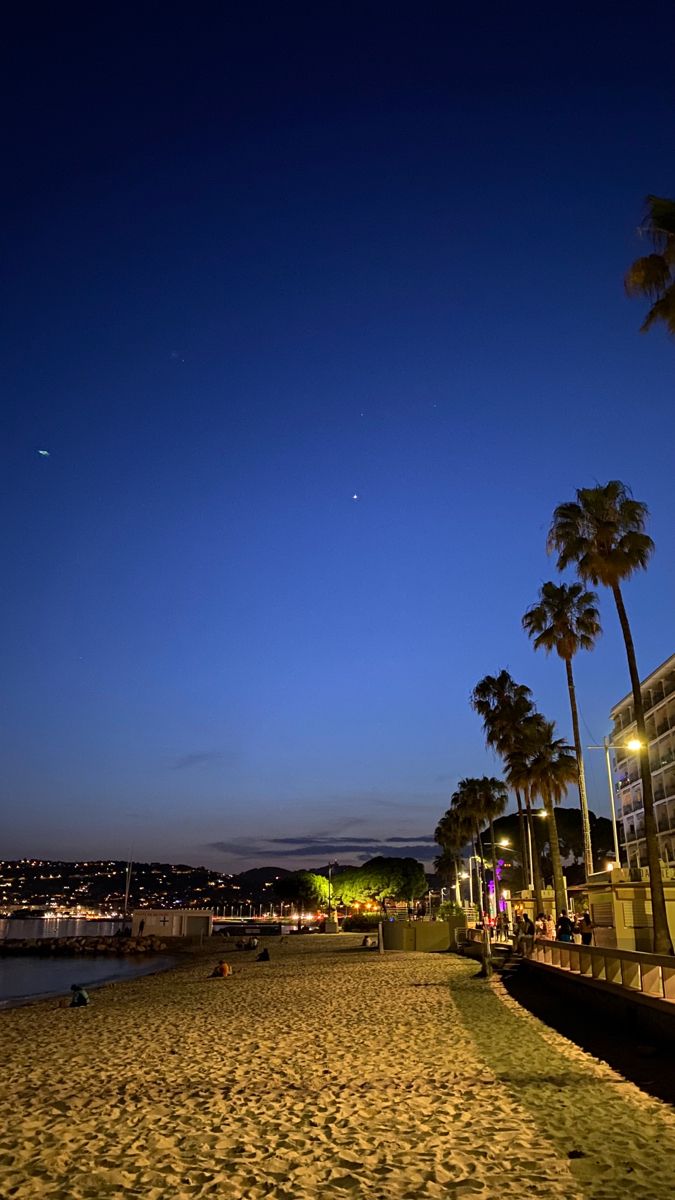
point(380, 879)
point(653, 275)
point(306, 888)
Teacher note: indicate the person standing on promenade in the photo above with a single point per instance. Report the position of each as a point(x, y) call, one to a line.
point(587, 928)
point(550, 927)
point(564, 928)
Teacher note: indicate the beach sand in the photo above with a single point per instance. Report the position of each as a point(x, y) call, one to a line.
point(330, 1071)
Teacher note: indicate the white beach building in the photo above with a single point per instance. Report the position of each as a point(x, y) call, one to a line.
point(171, 922)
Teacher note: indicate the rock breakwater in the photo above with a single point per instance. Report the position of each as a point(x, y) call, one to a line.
point(81, 945)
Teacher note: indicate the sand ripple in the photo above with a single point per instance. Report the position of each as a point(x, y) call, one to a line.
point(328, 1072)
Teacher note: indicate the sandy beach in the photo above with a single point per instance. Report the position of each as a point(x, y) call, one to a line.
point(329, 1071)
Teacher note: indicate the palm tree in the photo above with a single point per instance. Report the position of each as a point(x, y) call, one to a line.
point(603, 533)
point(452, 833)
point(503, 705)
point(492, 797)
point(566, 620)
point(518, 775)
point(654, 275)
point(478, 802)
point(551, 768)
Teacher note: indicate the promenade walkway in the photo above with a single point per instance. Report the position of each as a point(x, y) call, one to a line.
point(329, 1072)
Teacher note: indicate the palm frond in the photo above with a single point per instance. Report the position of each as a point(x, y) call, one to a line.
point(647, 276)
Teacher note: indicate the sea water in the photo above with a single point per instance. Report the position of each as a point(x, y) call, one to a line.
point(23, 978)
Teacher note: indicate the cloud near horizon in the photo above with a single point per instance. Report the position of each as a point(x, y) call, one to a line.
point(328, 847)
point(183, 762)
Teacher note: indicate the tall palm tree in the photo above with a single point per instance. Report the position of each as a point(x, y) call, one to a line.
point(566, 619)
point(445, 866)
point(603, 533)
point(452, 834)
point(518, 775)
point(503, 705)
point(478, 802)
point(551, 768)
point(653, 275)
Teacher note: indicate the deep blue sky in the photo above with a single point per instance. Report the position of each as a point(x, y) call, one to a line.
point(259, 258)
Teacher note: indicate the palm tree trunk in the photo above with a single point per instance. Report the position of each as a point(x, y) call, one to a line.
point(662, 940)
point(458, 886)
point(487, 951)
point(536, 865)
point(486, 897)
point(494, 867)
point(523, 834)
point(583, 798)
point(556, 861)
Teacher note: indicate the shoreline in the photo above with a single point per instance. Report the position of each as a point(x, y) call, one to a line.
point(142, 969)
point(329, 1071)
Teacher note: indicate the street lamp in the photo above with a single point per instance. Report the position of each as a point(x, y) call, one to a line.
point(635, 746)
point(330, 890)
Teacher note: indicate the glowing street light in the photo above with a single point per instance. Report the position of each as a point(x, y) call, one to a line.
point(634, 745)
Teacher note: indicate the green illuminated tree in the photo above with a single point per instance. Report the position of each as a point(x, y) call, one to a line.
point(302, 888)
point(349, 886)
point(393, 879)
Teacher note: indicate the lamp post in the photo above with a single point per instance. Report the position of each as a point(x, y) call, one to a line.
point(635, 746)
point(329, 917)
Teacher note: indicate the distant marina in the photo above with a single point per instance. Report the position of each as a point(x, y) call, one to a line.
point(45, 927)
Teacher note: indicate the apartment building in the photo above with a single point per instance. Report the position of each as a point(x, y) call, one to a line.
point(658, 696)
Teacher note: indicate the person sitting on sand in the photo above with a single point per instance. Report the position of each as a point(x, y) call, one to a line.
point(264, 956)
point(221, 971)
point(79, 998)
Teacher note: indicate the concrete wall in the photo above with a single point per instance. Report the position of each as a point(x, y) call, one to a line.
point(426, 936)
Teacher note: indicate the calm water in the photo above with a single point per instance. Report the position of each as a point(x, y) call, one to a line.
point(42, 927)
point(23, 979)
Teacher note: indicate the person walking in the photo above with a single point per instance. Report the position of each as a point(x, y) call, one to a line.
point(586, 929)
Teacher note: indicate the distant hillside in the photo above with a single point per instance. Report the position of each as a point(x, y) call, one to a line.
point(43, 883)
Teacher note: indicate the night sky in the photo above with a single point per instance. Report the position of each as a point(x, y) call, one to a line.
point(259, 259)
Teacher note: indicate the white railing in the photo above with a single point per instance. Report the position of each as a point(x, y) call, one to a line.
point(650, 974)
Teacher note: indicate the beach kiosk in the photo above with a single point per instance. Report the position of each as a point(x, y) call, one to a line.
point(171, 922)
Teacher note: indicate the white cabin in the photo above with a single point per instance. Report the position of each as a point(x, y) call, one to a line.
point(171, 922)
